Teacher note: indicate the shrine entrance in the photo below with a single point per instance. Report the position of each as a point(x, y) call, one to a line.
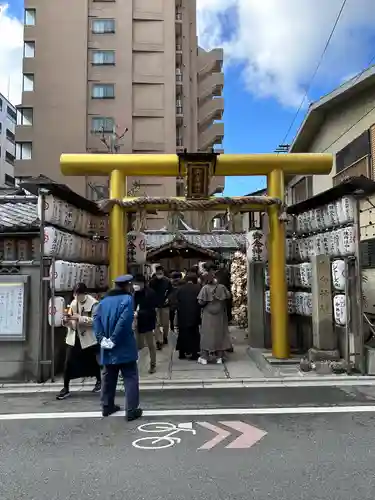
point(198, 169)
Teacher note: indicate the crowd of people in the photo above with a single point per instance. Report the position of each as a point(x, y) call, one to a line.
point(192, 308)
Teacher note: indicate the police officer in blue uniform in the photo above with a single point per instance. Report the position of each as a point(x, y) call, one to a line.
point(113, 327)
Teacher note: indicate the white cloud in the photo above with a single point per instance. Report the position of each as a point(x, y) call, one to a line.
point(11, 43)
point(279, 42)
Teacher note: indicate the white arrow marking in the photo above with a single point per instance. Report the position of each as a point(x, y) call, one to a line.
point(250, 435)
point(221, 434)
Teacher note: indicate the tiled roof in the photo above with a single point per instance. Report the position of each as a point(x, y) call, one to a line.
point(214, 240)
point(18, 213)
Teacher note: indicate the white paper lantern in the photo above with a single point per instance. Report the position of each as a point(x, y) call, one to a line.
point(289, 275)
point(61, 275)
point(338, 275)
point(346, 208)
point(303, 249)
point(289, 249)
point(298, 303)
point(52, 209)
point(56, 310)
point(52, 241)
point(347, 240)
point(256, 249)
point(291, 303)
point(297, 275)
point(266, 276)
point(137, 251)
point(306, 274)
point(339, 309)
point(267, 301)
point(307, 303)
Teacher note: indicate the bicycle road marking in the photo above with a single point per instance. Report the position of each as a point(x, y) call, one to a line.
point(161, 435)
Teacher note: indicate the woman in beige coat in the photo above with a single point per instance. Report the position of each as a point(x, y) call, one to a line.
point(82, 349)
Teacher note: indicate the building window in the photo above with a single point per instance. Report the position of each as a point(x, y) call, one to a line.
point(100, 26)
point(9, 180)
point(10, 136)
point(30, 17)
point(11, 114)
point(28, 82)
point(29, 49)
point(24, 150)
point(103, 91)
point(302, 190)
point(103, 57)
point(356, 150)
point(100, 124)
point(25, 116)
point(9, 158)
point(1, 104)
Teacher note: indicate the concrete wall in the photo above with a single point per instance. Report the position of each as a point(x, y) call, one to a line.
point(19, 360)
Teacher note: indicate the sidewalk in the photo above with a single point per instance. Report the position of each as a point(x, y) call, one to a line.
point(245, 367)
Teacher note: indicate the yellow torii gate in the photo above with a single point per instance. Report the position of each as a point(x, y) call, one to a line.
point(274, 166)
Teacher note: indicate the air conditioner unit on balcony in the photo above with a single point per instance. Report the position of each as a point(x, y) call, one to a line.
point(178, 47)
point(179, 142)
point(178, 16)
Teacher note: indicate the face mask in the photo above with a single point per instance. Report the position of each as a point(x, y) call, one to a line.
point(81, 298)
point(159, 276)
point(136, 287)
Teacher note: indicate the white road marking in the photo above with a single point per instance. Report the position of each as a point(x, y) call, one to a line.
point(312, 410)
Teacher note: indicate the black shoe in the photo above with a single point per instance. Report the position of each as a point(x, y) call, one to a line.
point(194, 357)
point(63, 394)
point(159, 346)
point(134, 414)
point(152, 369)
point(97, 386)
point(230, 350)
point(110, 411)
point(181, 356)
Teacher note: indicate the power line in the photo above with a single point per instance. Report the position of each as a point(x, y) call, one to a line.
point(316, 70)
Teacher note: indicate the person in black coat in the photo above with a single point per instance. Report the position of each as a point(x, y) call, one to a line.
point(162, 287)
point(188, 318)
point(145, 317)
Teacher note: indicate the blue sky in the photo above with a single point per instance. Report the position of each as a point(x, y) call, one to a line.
point(271, 50)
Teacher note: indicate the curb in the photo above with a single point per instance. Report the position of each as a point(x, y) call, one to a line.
point(272, 382)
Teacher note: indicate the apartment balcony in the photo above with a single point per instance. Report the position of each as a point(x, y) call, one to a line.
point(179, 81)
point(211, 110)
point(179, 53)
point(179, 113)
point(210, 62)
point(211, 85)
point(210, 136)
point(179, 145)
point(178, 23)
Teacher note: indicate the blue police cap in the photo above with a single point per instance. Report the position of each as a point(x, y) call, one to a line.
point(126, 278)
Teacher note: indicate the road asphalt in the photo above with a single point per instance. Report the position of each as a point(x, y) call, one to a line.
point(285, 454)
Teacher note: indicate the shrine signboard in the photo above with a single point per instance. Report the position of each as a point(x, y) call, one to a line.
point(13, 307)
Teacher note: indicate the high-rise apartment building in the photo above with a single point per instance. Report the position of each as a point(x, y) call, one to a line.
point(95, 67)
point(7, 141)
